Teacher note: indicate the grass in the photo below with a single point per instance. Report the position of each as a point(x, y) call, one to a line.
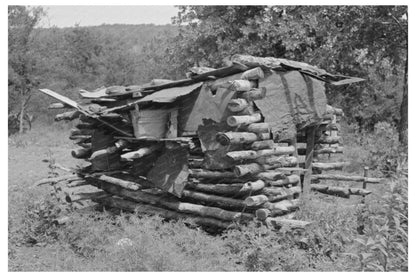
point(106, 242)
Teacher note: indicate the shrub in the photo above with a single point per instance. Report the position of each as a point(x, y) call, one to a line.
point(384, 246)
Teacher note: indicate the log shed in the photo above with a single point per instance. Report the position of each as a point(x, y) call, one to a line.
point(221, 147)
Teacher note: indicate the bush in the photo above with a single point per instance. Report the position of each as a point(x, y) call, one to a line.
point(384, 245)
point(380, 150)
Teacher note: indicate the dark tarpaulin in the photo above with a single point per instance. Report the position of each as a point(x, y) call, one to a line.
point(293, 101)
point(170, 172)
point(203, 104)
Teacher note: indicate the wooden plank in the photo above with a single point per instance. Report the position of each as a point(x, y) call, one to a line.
point(61, 98)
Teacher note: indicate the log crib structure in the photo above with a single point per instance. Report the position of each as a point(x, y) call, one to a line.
point(221, 147)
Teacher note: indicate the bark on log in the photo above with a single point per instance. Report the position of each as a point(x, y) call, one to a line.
point(278, 194)
point(337, 191)
point(70, 177)
point(79, 183)
point(68, 115)
point(270, 175)
point(119, 182)
point(228, 189)
point(200, 210)
point(253, 186)
point(278, 222)
point(237, 137)
point(80, 137)
point(359, 191)
point(236, 120)
point(262, 214)
point(248, 169)
point(276, 150)
point(85, 196)
point(281, 207)
point(129, 156)
point(258, 127)
point(242, 155)
point(242, 85)
point(254, 94)
point(214, 200)
point(329, 166)
point(237, 104)
point(81, 153)
point(118, 146)
point(287, 180)
point(253, 74)
point(346, 178)
point(264, 144)
point(131, 206)
point(278, 161)
point(220, 189)
point(323, 150)
point(208, 174)
point(256, 200)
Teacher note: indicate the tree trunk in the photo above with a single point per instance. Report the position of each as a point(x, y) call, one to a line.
point(403, 124)
point(23, 106)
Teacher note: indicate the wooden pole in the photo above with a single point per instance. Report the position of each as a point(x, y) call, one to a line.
point(141, 208)
point(310, 145)
point(228, 189)
point(208, 174)
point(236, 120)
point(263, 144)
point(276, 150)
point(364, 182)
point(348, 178)
point(173, 204)
point(215, 200)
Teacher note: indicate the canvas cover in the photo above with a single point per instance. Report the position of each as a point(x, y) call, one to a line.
point(293, 100)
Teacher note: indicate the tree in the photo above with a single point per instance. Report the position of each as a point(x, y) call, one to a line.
point(365, 41)
point(22, 77)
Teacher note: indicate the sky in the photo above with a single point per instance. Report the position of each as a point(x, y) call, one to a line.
point(68, 16)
